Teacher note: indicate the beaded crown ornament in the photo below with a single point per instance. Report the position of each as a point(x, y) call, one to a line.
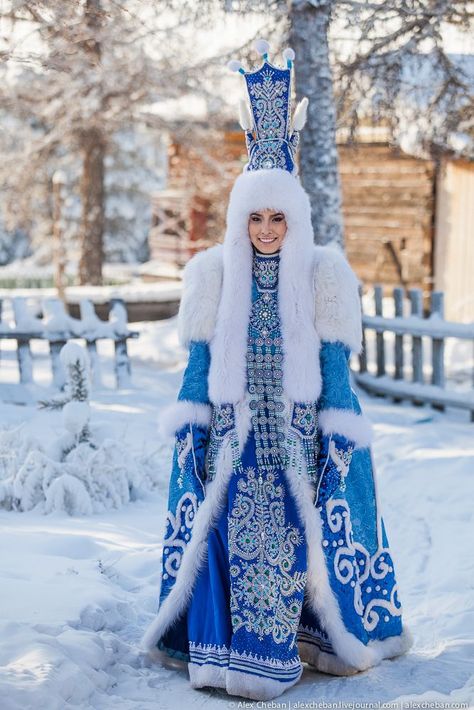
point(271, 141)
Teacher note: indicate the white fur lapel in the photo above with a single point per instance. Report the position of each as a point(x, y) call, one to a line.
point(252, 191)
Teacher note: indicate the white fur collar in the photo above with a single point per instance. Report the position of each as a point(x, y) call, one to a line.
point(317, 293)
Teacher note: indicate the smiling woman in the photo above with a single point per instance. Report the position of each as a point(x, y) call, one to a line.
point(267, 230)
point(275, 551)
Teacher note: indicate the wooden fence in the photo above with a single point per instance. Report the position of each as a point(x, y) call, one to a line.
point(413, 385)
point(56, 327)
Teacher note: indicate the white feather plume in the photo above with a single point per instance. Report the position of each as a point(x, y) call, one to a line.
point(245, 115)
point(299, 118)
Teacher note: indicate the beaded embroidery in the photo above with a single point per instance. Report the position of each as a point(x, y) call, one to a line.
point(222, 422)
point(261, 557)
point(342, 458)
point(264, 363)
point(305, 420)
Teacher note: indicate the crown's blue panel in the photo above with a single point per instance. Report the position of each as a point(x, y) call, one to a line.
point(269, 92)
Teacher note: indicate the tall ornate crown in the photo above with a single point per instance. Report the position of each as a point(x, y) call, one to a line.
point(271, 143)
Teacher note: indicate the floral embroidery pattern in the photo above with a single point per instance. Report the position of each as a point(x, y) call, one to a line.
point(269, 100)
point(262, 557)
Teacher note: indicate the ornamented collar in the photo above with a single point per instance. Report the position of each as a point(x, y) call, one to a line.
point(265, 269)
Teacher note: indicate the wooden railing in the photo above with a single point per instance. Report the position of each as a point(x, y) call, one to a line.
point(56, 327)
point(410, 383)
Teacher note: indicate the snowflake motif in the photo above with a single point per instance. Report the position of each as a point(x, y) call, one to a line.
point(264, 316)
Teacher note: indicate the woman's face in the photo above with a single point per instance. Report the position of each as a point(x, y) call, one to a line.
point(267, 230)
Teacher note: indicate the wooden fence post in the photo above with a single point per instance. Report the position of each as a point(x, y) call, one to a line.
point(437, 351)
point(398, 295)
point(380, 344)
point(363, 352)
point(59, 376)
point(23, 350)
point(118, 315)
point(416, 303)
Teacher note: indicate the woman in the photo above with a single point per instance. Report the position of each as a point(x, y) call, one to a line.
point(275, 550)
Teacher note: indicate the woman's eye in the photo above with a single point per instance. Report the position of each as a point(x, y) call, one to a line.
point(278, 218)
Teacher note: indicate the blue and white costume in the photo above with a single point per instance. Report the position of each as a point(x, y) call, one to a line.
point(275, 550)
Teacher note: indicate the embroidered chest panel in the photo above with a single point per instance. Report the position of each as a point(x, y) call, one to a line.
point(264, 363)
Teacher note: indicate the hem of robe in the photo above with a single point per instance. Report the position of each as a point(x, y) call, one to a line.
point(246, 685)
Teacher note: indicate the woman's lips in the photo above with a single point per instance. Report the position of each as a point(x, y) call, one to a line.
point(267, 240)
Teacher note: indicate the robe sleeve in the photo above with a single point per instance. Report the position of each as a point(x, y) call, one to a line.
point(188, 419)
point(342, 427)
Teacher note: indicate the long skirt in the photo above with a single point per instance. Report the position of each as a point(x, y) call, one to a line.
point(248, 609)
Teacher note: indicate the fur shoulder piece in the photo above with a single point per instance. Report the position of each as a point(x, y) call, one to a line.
point(202, 282)
point(337, 303)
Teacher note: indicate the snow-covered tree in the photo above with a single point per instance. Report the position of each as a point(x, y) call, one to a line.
point(75, 75)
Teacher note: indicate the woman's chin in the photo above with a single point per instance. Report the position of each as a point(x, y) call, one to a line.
point(268, 248)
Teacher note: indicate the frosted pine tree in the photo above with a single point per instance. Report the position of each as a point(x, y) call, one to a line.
point(76, 472)
point(75, 400)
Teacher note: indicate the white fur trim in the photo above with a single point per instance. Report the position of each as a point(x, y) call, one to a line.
point(256, 687)
point(195, 553)
point(235, 682)
point(355, 427)
point(255, 190)
point(201, 676)
point(320, 595)
point(324, 662)
point(177, 414)
point(338, 309)
point(202, 281)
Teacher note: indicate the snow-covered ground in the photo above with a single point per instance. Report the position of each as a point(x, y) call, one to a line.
point(77, 593)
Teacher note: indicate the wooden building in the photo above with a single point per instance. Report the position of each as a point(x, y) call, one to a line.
point(406, 219)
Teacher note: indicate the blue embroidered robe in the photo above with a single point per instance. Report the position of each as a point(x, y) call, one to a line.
point(249, 614)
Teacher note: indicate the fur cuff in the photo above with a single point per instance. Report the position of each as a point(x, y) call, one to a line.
point(355, 427)
point(176, 415)
point(338, 314)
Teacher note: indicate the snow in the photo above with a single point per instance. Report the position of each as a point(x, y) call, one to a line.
point(77, 591)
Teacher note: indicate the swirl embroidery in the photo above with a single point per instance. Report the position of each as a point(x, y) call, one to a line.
point(355, 566)
point(178, 533)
